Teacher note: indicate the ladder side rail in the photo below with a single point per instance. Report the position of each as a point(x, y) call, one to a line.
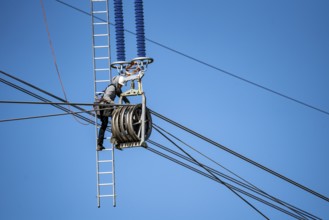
point(95, 90)
point(108, 41)
point(110, 78)
point(113, 178)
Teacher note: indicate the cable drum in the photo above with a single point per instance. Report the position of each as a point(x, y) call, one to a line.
point(127, 124)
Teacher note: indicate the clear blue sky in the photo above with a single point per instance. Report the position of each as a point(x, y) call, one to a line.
point(47, 166)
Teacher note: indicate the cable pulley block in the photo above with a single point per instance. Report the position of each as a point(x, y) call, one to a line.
point(127, 126)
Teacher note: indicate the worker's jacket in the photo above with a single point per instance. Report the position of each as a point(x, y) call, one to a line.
point(112, 91)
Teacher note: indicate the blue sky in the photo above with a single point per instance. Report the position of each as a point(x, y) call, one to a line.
point(48, 165)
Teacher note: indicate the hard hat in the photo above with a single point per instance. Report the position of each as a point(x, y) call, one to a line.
point(121, 80)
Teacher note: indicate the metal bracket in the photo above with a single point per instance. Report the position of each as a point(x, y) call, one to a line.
point(122, 118)
point(130, 145)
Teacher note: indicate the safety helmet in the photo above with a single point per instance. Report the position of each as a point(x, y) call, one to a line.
point(122, 80)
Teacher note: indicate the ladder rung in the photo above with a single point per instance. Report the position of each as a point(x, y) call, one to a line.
point(105, 184)
point(103, 69)
point(108, 172)
point(105, 80)
point(101, 35)
point(101, 58)
point(104, 46)
point(108, 149)
point(105, 161)
point(100, 23)
point(99, 12)
point(98, 0)
point(102, 196)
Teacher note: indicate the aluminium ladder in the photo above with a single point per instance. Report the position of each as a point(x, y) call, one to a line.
point(102, 77)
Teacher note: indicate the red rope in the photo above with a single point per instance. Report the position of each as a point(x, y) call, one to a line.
point(54, 57)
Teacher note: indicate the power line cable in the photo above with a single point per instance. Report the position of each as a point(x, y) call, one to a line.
point(297, 210)
point(212, 178)
point(211, 173)
point(46, 100)
point(239, 155)
point(42, 116)
point(54, 56)
point(45, 116)
point(40, 98)
point(182, 127)
point(154, 113)
point(247, 183)
point(153, 124)
point(242, 184)
point(211, 66)
point(43, 99)
point(61, 103)
point(52, 47)
point(41, 90)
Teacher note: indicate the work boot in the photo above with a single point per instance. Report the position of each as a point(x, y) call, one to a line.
point(100, 147)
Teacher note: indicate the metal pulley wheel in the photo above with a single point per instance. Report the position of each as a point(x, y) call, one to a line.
point(127, 124)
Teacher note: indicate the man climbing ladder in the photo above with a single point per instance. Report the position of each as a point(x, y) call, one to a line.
point(110, 93)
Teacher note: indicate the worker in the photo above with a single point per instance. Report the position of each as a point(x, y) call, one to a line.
point(113, 90)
